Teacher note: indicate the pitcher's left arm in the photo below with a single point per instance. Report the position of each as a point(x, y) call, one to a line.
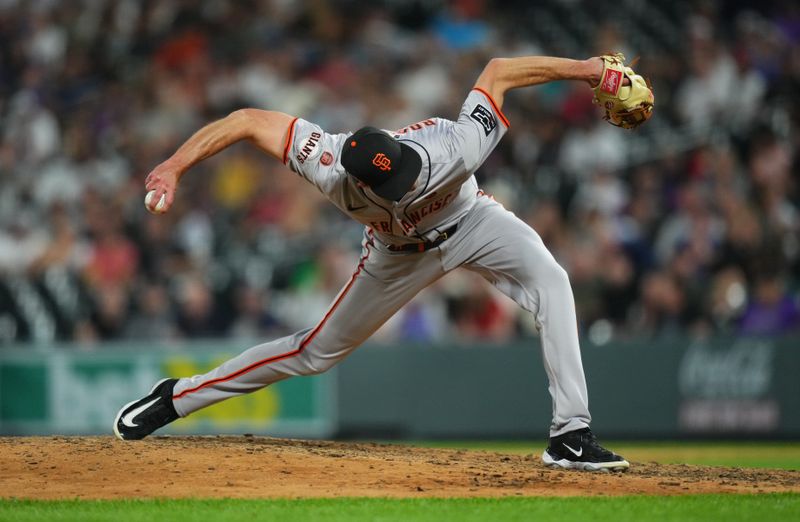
point(503, 74)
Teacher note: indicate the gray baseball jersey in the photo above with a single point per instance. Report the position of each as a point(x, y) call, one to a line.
point(445, 190)
point(489, 240)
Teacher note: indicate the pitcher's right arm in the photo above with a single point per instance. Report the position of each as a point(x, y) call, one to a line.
point(268, 130)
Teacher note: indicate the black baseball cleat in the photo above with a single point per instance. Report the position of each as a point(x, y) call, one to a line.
point(138, 419)
point(579, 449)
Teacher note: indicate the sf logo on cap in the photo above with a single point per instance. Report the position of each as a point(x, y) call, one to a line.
point(382, 162)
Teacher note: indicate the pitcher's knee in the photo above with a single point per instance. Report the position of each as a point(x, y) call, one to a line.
point(558, 276)
point(315, 360)
point(548, 276)
point(315, 365)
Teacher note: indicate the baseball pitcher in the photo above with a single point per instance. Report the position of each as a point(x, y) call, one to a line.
point(424, 215)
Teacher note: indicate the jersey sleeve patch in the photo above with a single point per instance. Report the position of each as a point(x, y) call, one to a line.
point(309, 147)
point(485, 118)
point(494, 106)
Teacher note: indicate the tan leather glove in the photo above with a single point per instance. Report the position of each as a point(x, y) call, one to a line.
point(626, 106)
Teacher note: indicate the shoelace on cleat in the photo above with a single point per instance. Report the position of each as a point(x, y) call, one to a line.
point(590, 440)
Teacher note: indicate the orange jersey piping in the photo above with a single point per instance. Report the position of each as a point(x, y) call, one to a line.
point(289, 138)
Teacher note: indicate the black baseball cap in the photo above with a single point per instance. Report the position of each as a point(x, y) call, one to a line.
point(386, 165)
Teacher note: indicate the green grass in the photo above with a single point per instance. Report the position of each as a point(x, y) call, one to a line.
point(731, 508)
point(778, 455)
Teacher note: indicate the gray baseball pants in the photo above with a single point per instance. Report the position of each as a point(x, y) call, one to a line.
point(490, 241)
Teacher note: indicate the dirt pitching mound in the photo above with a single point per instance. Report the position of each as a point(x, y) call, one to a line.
point(259, 467)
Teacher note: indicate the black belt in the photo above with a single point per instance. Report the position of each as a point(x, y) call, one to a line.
point(427, 245)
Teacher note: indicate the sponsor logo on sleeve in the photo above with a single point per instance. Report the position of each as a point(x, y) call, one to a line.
point(611, 82)
point(485, 118)
point(308, 148)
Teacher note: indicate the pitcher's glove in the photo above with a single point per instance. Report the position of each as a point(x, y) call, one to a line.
point(626, 106)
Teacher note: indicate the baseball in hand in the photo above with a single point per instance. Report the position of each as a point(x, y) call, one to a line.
point(159, 208)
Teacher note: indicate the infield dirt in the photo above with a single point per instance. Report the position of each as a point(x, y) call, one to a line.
point(260, 467)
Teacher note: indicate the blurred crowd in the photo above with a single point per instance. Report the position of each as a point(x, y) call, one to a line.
point(690, 225)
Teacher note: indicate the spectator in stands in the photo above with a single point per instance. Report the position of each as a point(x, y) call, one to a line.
point(253, 319)
point(773, 310)
point(196, 317)
point(151, 317)
point(113, 258)
point(110, 312)
point(661, 310)
point(62, 245)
